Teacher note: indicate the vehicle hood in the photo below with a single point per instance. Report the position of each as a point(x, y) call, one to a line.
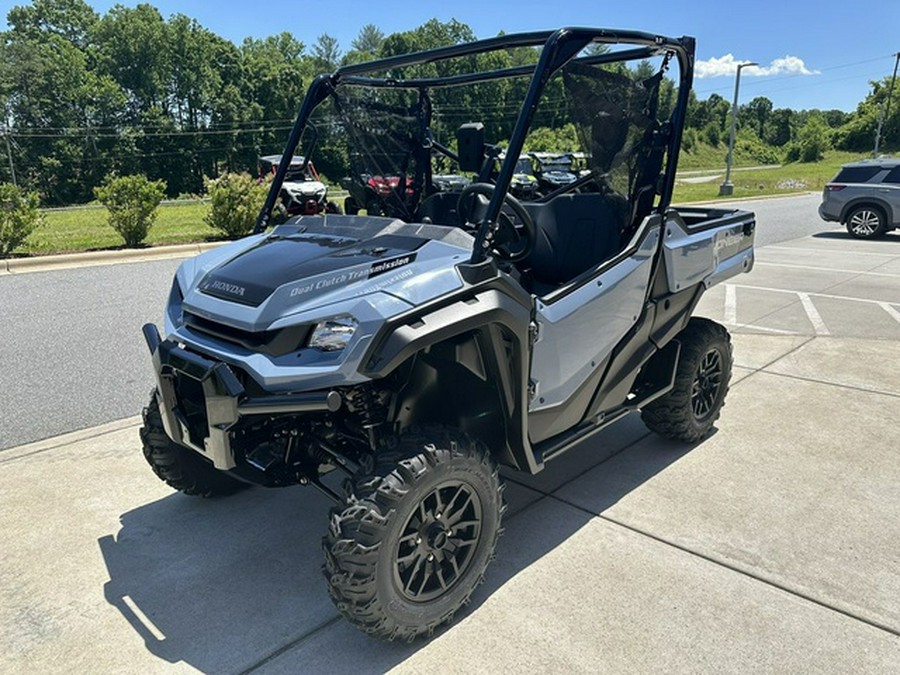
point(306, 188)
point(316, 261)
point(450, 182)
point(559, 177)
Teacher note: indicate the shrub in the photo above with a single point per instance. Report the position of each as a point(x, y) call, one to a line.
point(812, 140)
point(19, 215)
point(748, 145)
point(235, 202)
point(132, 202)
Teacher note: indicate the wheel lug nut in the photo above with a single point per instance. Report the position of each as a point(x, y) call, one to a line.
point(418, 540)
point(430, 557)
point(438, 516)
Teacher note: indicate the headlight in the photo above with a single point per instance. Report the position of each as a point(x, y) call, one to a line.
point(333, 334)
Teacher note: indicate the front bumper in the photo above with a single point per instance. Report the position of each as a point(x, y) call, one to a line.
point(201, 400)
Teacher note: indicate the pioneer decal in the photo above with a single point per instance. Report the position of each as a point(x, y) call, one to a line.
point(727, 239)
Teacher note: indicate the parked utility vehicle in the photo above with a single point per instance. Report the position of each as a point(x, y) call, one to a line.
point(419, 353)
point(302, 191)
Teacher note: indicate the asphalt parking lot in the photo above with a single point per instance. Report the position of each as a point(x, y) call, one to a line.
point(770, 546)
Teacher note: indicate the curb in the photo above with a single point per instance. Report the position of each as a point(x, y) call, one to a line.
point(754, 198)
point(95, 258)
point(68, 438)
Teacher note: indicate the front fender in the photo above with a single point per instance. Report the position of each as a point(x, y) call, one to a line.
point(502, 323)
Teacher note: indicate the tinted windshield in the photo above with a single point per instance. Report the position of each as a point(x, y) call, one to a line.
point(523, 166)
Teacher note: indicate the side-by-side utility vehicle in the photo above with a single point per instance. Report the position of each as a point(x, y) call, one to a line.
point(419, 351)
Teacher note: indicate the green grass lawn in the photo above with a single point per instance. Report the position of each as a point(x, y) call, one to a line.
point(776, 180)
point(86, 228)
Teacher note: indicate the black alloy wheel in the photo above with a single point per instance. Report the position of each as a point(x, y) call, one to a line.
point(438, 542)
point(705, 391)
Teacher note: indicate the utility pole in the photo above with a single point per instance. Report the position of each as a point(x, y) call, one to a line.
point(12, 170)
point(886, 109)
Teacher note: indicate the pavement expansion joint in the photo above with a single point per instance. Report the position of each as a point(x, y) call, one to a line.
point(828, 383)
point(720, 563)
point(744, 572)
point(292, 644)
point(786, 354)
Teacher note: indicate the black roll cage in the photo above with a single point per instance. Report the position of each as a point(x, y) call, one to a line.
point(559, 48)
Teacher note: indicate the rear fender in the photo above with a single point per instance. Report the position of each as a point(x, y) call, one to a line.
point(884, 206)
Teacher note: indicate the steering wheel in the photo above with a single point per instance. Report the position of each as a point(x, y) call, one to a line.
point(511, 241)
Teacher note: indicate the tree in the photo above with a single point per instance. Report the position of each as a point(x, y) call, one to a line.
point(71, 20)
point(369, 40)
point(759, 109)
point(429, 35)
point(133, 47)
point(858, 132)
point(780, 127)
point(366, 46)
point(273, 76)
point(55, 104)
point(713, 110)
point(326, 53)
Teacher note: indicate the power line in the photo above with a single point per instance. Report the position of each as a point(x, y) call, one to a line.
point(160, 134)
point(820, 83)
point(768, 80)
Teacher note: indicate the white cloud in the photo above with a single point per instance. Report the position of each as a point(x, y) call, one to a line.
point(727, 65)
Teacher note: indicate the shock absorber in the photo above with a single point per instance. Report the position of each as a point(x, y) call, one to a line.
point(371, 410)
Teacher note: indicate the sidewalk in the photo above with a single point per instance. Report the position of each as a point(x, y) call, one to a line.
point(771, 546)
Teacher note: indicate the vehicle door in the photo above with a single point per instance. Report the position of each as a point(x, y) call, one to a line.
point(577, 327)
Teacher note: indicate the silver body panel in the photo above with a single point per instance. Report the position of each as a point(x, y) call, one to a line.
point(576, 332)
point(707, 255)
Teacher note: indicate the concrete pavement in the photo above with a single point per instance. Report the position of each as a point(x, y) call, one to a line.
point(772, 546)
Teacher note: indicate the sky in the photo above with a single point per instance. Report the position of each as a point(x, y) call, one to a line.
point(811, 54)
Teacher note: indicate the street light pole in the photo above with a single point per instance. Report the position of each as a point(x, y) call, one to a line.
point(727, 188)
point(887, 107)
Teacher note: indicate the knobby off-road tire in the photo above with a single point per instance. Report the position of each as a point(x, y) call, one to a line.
point(416, 535)
point(688, 412)
point(178, 466)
